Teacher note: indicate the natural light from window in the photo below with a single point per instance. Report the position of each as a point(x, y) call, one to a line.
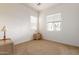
point(33, 22)
point(54, 22)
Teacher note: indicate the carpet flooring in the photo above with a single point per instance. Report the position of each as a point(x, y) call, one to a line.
point(45, 47)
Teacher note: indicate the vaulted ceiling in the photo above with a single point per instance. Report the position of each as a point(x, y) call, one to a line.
point(40, 6)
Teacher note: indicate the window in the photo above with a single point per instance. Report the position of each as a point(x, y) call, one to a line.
point(33, 22)
point(54, 22)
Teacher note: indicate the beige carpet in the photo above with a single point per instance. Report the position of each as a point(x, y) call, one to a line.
point(45, 47)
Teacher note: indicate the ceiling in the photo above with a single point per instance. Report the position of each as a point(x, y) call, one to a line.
point(40, 6)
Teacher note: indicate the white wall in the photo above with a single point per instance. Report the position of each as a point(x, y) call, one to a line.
point(70, 32)
point(17, 19)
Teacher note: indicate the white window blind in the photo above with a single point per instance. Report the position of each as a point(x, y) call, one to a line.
point(54, 22)
point(33, 22)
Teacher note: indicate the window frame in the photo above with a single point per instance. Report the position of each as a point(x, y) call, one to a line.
point(55, 20)
point(33, 23)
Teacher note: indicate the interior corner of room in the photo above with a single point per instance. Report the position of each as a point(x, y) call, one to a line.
point(51, 28)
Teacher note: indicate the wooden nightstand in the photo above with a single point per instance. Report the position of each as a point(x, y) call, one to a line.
point(6, 47)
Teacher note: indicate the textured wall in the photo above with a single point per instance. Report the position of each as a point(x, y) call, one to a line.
point(17, 19)
point(70, 27)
